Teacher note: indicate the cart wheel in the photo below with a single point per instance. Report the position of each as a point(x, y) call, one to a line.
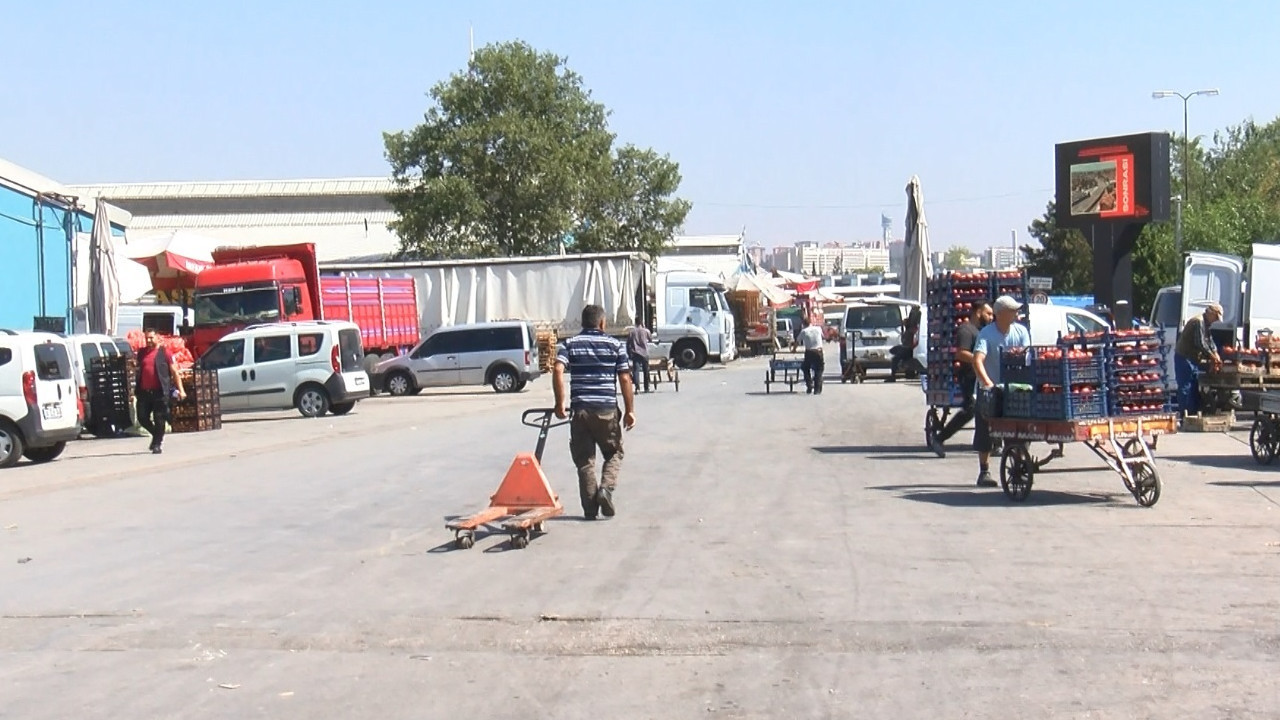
point(676, 381)
point(1264, 441)
point(1147, 480)
point(767, 381)
point(520, 541)
point(1132, 447)
point(464, 542)
point(932, 424)
point(1017, 471)
point(537, 527)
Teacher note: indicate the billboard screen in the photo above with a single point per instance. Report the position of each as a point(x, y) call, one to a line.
point(1118, 179)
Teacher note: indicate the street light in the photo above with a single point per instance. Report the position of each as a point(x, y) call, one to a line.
point(1160, 94)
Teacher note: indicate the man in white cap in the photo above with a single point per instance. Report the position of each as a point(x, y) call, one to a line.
point(1004, 332)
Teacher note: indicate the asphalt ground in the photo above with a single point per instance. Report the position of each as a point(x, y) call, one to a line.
point(773, 555)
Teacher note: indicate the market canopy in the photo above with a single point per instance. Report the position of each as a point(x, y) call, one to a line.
point(763, 284)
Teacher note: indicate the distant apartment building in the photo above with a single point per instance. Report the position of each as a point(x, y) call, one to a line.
point(897, 255)
point(810, 258)
point(1002, 258)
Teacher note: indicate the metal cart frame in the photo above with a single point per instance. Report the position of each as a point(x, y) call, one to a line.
point(1124, 445)
point(789, 367)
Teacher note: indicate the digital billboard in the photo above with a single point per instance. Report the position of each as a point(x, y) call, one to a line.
point(1118, 179)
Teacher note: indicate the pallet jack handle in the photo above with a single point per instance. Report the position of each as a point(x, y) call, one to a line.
point(544, 423)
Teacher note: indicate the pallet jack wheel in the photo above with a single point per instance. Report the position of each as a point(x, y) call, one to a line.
point(520, 541)
point(464, 542)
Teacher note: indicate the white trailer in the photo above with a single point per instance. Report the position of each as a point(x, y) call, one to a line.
point(551, 291)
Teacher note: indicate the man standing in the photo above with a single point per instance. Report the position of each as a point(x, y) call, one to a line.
point(158, 382)
point(980, 315)
point(814, 363)
point(904, 352)
point(597, 365)
point(638, 340)
point(1193, 350)
point(1003, 333)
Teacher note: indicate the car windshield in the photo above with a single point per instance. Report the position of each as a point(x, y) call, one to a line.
point(873, 318)
point(242, 307)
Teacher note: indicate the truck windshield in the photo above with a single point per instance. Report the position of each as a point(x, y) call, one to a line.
point(243, 307)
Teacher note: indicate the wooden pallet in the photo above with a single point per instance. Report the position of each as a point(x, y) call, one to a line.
point(547, 341)
point(1209, 423)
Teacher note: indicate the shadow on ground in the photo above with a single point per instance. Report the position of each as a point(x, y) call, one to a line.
point(959, 496)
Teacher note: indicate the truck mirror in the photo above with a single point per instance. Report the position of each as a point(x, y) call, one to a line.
point(292, 301)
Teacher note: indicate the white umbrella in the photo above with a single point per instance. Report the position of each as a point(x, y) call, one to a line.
point(916, 267)
point(104, 284)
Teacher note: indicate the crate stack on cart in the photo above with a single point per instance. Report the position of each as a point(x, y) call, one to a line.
point(1012, 283)
point(1054, 382)
point(1136, 373)
point(950, 299)
point(547, 340)
point(108, 381)
point(201, 410)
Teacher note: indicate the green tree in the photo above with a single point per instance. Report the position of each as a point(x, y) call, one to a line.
point(514, 157)
point(955, 256)
point(1063, 255)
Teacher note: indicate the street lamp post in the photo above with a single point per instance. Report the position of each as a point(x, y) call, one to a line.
point(1186, 146)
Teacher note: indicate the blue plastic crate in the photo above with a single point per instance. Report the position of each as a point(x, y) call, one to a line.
point(1019, 403)
point(1016, 366)
point(1068, 371)
point(1070, 406)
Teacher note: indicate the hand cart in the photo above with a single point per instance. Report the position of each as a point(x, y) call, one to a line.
point(1264, 436)
point(524, 500)
point(1124, 443)
point(941, 404)
point(661, 369)
point(789, 368)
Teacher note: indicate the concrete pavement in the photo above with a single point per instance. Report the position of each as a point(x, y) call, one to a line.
point(773, 555)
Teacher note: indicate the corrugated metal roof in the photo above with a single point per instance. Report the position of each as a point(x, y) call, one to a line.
point(243, 188)
point(253, 220)
point(30, 183)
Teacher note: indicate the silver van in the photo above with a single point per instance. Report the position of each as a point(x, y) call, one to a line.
point(501, 354)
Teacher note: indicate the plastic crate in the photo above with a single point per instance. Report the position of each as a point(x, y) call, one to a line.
point(1129, 403)
point(1016, 366)
point(1067, 371)
point(1019, 403)
point(1070, 406)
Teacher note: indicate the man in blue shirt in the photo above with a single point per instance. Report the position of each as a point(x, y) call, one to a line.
point(1005, 332)
point(597, 365)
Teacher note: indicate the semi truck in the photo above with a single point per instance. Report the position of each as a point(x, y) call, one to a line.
point(687, 310)
point(281, 283)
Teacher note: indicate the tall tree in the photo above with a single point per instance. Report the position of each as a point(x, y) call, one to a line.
point(514, 157)
point(1063, 255)
point(955, 257)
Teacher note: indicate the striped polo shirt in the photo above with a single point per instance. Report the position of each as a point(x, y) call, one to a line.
point(593, 360)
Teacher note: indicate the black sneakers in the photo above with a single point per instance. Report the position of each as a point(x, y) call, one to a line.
point(604, 498)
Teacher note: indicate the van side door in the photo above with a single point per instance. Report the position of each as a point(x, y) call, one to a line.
point(272, 372)
point(435, 362)
point(227, 358)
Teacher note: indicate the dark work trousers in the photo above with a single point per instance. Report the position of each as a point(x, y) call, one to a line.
point(813, 367)
point(153, 413)
point(590, 428)
point(640, 366)
point(962, 416)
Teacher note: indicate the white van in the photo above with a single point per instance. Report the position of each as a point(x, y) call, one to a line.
point(164, 319)
point(84, 349)
point(38, 399)
point(312, 366)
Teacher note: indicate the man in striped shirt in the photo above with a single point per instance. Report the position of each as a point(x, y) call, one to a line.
point(597, 365)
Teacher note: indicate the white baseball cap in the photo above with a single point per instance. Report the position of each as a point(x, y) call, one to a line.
point(1007, 302)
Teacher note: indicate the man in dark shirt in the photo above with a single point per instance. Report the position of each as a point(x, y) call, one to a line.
point(158, 382)
point(980, 315)
point(597, 366)
point(638, 350)
point(1194, 349)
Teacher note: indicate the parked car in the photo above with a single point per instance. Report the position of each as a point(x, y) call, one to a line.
point(501, 354)
point(871, 330)
point(38, 398)
point(84, 349)
point(313, 366)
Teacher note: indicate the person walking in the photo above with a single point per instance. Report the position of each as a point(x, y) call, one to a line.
point(598, 366)
point(815, 364)
point(638, 339)
point(1004, 332)
point(1195, 349)
point(980, 315)
point(158, 383)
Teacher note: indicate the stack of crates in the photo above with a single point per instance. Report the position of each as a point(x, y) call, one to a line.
point(547, 341)
point(1059, 383)
point(108, 381)
point(950, 300)
point(1137, 366)
point(201, 410)
point(1010, 282)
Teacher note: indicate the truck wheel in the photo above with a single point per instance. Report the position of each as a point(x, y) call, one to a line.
point(45, 454)
point(312, 401)
point(505, 380)
point(400, 383)
point(689, 354)
point(10, 444)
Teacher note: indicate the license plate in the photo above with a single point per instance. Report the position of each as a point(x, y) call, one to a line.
point(359, 380)
point(876, 355)
point(51, 412)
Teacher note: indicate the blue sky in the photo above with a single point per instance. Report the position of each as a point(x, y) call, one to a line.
point(802, 123)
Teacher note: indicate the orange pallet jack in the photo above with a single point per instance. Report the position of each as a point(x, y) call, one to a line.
point(524, 500)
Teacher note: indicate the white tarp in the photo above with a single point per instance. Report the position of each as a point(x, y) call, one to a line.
point(547, 292)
